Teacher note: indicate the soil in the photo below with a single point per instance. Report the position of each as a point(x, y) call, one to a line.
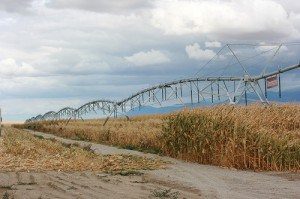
point(180, 180)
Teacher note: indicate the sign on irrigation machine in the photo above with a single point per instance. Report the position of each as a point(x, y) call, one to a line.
point(272, 82)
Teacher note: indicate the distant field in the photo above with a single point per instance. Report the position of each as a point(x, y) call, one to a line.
point(251, 137)
point(8, 123)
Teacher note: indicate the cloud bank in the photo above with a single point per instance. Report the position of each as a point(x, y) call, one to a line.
point(195, 52)
point(241, 18)
point(151, 57)
point(112, 6)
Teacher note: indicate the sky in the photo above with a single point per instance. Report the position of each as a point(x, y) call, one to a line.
point(57, 53)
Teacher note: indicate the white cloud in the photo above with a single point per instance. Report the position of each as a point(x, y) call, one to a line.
point(213, 44)
point(9, 67)
point(7, 21)
point(195, 52)
point(265, 47)
point(151, 57)
point(253, 19)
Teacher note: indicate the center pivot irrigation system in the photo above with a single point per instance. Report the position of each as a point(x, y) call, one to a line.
point(233, 89)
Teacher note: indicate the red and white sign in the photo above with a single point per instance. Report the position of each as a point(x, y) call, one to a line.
point(272, 82)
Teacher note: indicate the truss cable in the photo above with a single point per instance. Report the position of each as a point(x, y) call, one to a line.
point(215, 71)
point(245, 70)
point(209, 61)
point(248, 58)
point(239, 61)
point(269, 61)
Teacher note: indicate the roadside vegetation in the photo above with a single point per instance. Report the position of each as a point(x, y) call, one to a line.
point(21, 151)
point(243, 137)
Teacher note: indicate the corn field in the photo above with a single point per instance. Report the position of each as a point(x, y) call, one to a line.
point(243, 137)
point(252, 137)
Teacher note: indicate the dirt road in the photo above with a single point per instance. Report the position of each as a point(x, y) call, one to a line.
point(186, 179)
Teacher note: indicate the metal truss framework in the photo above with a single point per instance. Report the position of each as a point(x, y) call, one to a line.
point(192, 90)
point(210, 89)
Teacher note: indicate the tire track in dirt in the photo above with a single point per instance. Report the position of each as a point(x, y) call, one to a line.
point(86, 185)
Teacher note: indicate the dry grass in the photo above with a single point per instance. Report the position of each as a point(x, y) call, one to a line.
point(252, 137)
point(20, 151)
point(141, 133)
